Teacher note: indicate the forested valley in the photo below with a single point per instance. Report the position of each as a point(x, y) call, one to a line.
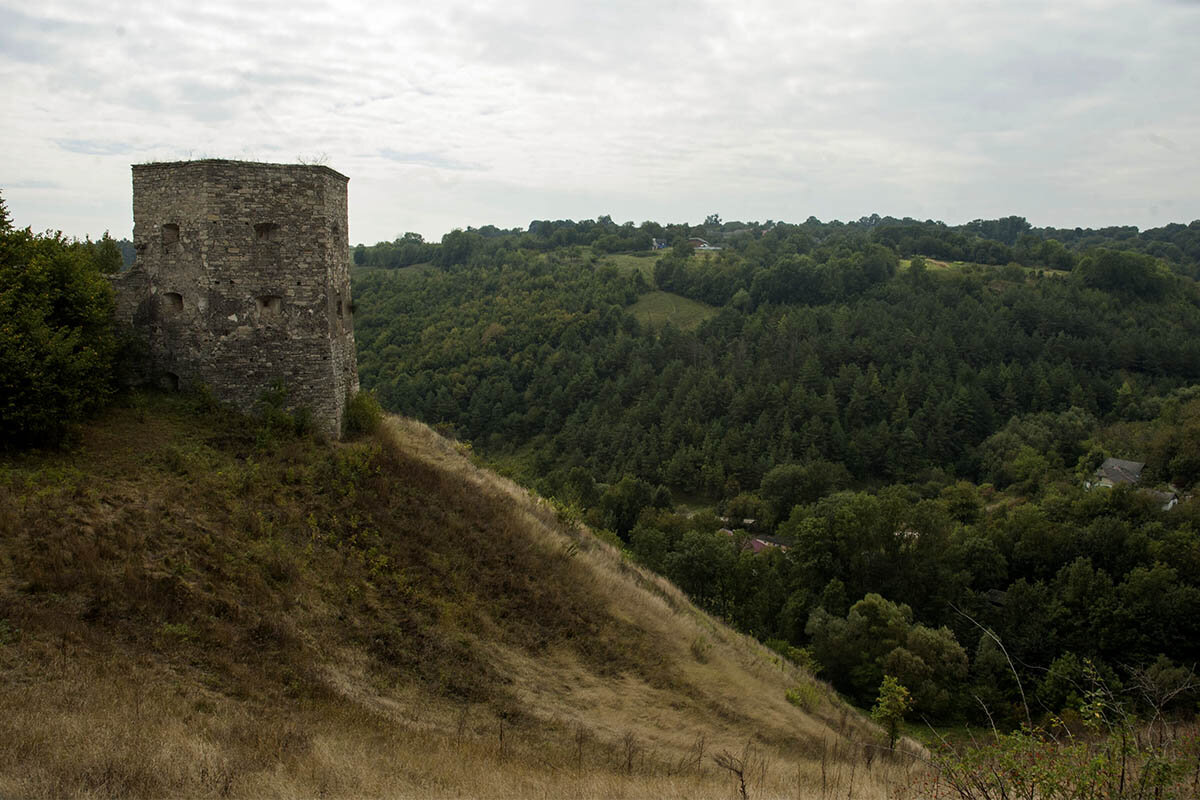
point(867, 444)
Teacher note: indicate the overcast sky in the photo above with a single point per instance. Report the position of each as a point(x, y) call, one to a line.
point(446, 114)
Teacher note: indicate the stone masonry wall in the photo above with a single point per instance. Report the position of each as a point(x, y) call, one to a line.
point(242, 278)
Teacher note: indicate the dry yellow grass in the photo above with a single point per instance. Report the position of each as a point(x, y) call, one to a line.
point(184, 618)
point(140, 733)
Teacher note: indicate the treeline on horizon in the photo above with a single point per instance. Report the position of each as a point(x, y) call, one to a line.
point(918, 436)
point(997, 242)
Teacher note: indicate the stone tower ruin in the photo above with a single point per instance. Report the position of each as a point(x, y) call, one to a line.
point(242, 278)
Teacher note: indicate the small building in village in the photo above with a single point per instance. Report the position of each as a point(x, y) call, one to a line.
point(1115, 472)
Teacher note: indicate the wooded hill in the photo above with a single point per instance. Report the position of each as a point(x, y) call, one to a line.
point(918, 430)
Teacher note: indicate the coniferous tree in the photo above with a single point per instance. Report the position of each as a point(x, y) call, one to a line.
point(5, 219)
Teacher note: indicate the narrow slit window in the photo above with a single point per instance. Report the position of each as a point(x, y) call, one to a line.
point(170, 234)
point(266, 232)
point(269, 305)
point(173, 302)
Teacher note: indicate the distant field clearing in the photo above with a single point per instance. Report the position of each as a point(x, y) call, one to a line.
point(659, 308)
point(634, 262)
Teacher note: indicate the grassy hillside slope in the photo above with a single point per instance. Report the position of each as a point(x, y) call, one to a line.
point(190, 605)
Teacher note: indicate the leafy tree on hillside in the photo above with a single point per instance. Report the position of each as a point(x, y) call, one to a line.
point(1123, 271)
point(790, 485)
point(893, 703)
point(703, 566)
point(108, 255)
point(622, 502)
point(457, 246)
point(878, 638)
point(1005, 230)
point(57, 340)
point(1174, 451)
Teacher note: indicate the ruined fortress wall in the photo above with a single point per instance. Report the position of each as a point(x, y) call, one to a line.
point(243, 278)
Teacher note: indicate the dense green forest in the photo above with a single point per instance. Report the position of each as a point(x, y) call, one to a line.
point(910, 408)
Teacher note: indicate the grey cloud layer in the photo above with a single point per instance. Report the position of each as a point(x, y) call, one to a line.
point(478, 112)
